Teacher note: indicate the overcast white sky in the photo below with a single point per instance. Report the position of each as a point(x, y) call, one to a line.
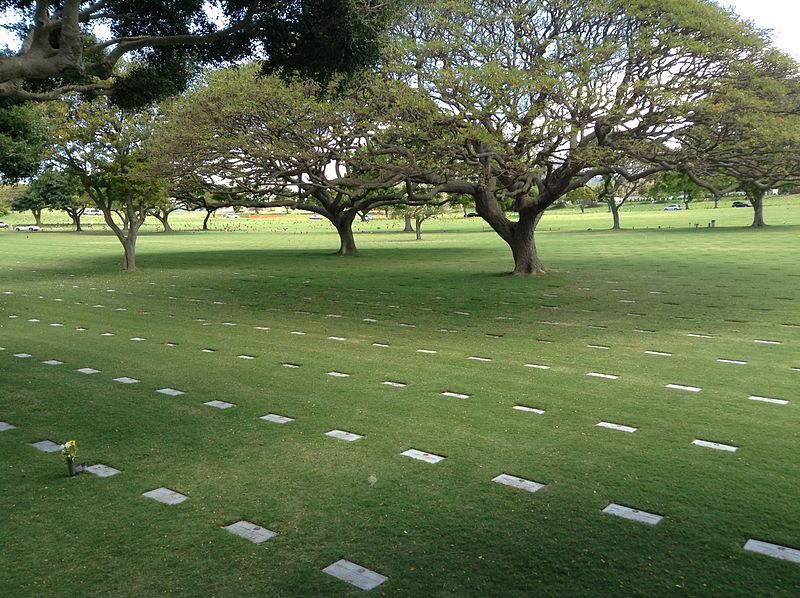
point(782, 16)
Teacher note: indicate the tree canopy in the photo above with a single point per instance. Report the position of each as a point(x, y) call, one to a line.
point(167, 40)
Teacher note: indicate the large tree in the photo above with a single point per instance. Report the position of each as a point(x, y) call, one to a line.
point(63, 52)
point(747, 134)
point(103, 146)
point(268, 143)
point(538, 97)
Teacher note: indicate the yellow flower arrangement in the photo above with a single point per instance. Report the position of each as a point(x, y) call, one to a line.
point(70, 449)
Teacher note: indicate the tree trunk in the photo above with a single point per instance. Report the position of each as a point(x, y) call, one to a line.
point(205, 220)
point(408, 228)
point(129, 261)
point(523, 246)
point(580, 205)
point(164, 220)
point(347, 243)
point(614, 208)
point(418, 228)
point(716, 201)
point(37, 215)
point(76, 220)
point(758, 212)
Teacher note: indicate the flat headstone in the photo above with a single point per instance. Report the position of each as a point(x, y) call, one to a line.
point(336, 374)
point(598, 347)
point(166, 496)
point(404, 325)
point(126, 380)
point(171, 344)
point(683, 387)
point(379, 345)
point(537, 366)
point(528, 409)
point(733, 361)
point(627, 301)
point(774, 550)
point(601, 375)
point(261, 327)
point(172, 392)
point(57, 325)
point(661, 353)
point(22, 355)
point(517, 482)
point(102, 471)
point(138, 338)
point(207, 350)
point(768, 400)
point(219, 404)
point(5, 426)
point(250, 531)
point(276, 419)
point(106, 334)
point(342, 435)
point(644, 330)
point(429, 351)
point(53, 362)
point(394, 384)
point(633, 514)
point(476, 358)
point(371, 320)
point(715, 445)
point(762, 341)
point(248, 357)
point(229, 324)
point(336, 338)
point(298, 333)
point(619, 427)
point(46, 446)
point(290, 365)
point(694, 335)
point(422, 456)
point(88, 371)
point(34, 320)
point(455, 395)
point(354, 574)
point(462, 313)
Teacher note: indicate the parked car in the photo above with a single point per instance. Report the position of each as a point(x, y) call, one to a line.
point(26, 228)
point(3, 224)
point(740, 204)
point(92, 212)
point(471, 215)
point(231, 215)
point(315, 217)
point(673, 206)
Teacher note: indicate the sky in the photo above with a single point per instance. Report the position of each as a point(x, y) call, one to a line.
point(781, 16)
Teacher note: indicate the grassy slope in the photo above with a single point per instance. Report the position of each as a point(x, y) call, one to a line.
point(433, 529)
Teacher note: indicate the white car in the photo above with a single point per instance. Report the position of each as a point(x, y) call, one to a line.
point(27, 228)
point(3, 224)
point(673, 206)
point(231, 215)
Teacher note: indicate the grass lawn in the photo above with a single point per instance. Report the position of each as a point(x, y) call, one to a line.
point(697, 294)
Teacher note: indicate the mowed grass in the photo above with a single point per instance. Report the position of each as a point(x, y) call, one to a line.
point(442, 529)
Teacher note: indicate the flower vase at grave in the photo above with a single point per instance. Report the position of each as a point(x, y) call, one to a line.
point(71, 466)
